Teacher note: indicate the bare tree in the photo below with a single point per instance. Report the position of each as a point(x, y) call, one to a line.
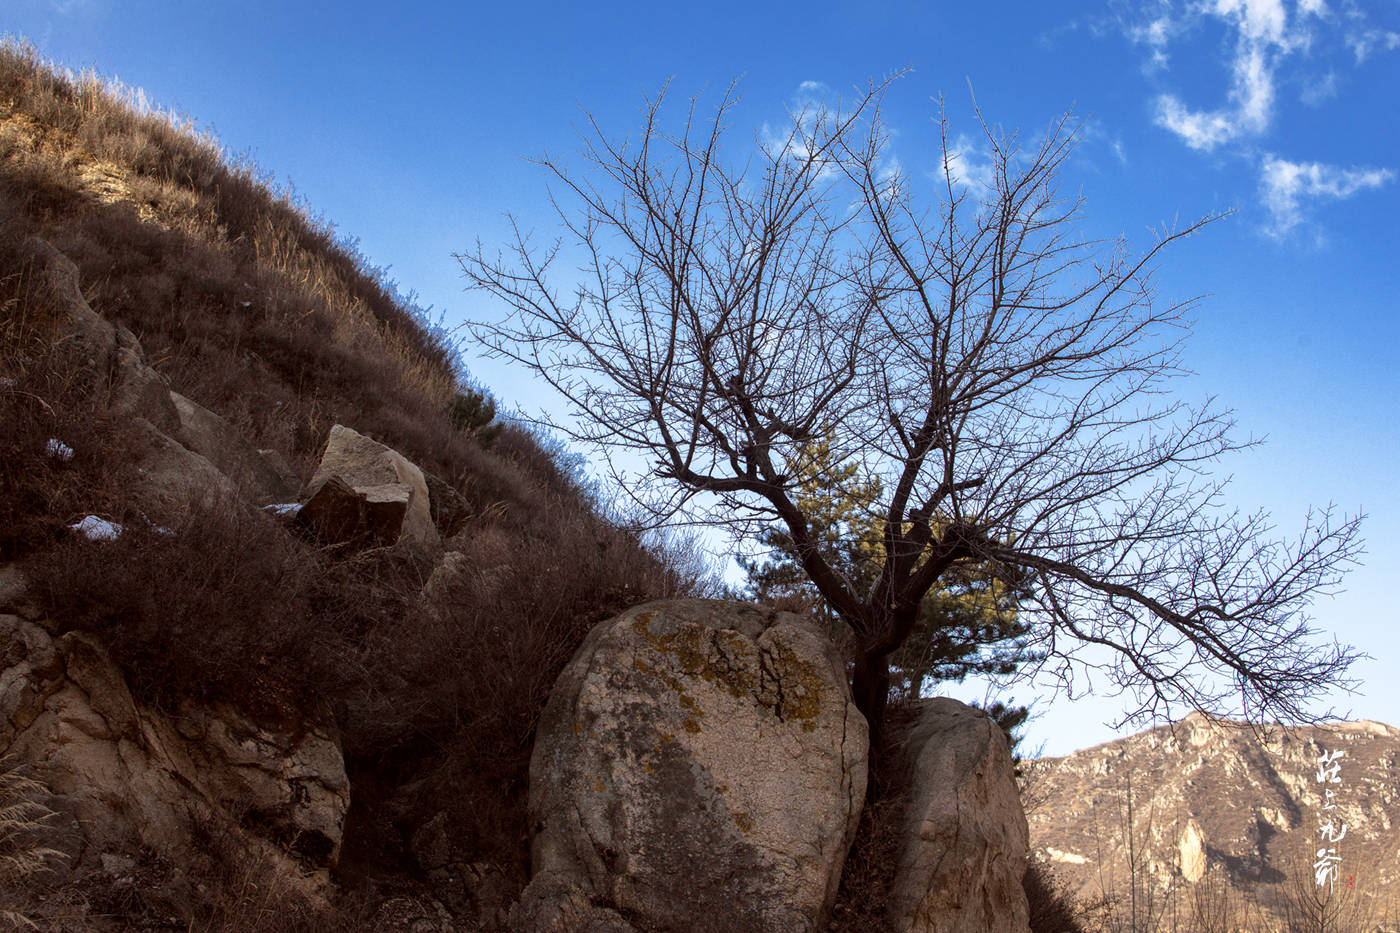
point(1134, 897)
point(1002, 377)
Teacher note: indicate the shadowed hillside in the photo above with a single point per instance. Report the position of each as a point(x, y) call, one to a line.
point(245, 306)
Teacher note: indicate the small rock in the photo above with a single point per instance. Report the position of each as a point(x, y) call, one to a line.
point(117, 866)
point(430, 844)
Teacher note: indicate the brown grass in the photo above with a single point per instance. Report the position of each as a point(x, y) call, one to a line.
point(26, 863)
point(43, 399)
point(261, 314)
point(1053, 907)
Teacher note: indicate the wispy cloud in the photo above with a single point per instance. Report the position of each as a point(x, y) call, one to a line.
point(1269, 44)
point(969, 165)
point(1288, 187)
point(1265, 34)
point(1156, 33)
point(1365, 43)
point(1198, 129)
point(1265, 37)
point(1318, 90)
point(811, 109)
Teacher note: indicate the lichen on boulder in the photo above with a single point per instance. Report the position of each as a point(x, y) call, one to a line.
point(698, 760)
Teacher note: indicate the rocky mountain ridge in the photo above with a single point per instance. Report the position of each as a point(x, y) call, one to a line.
point(1259, 808)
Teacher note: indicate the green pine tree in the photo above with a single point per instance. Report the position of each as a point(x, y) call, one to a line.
point(968, 624)
point(472, 412)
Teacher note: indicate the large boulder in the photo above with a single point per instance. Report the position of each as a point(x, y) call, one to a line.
point(964, 843)
point(700, 765)
point(364, 489)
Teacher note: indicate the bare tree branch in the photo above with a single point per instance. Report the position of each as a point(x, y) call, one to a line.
point(1005, 380)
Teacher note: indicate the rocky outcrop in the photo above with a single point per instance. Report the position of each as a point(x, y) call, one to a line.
point(110, 355)
point(130, 778)
point(363, 490)
point(126, 778)
point(963, 852)
point(205, 433)
point(183, 452)
point(700, 764)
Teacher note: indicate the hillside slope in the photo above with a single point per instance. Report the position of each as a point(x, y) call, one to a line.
point(1202, 803)
point(231, 301)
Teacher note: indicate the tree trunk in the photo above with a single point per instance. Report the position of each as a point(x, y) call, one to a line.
point(870, 687)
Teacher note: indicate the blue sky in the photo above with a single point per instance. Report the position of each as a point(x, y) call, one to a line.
point(405, 126)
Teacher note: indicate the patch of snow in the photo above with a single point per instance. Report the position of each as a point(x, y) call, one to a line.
point(8, 382)
point(56, 448)
point(246, 304)
point(97, 529)
point(284, 509)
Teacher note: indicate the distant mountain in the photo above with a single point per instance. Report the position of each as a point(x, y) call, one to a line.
point(1225, 806)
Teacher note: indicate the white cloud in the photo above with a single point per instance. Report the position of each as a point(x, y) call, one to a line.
point(1155, 34)
point(811, 106)
point(1258, 20)
point(1306, 43)
point(969, 165)
point(1364, 44)
point(1285, 187)
point(1264, 36)
point(1198, 129)
point(1316, 91)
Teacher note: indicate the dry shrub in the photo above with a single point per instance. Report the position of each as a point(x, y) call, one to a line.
point(244, 301)
point(244, 890)
point(461, 682)
point(46, 402)
point(257, 311)
point(224, 605)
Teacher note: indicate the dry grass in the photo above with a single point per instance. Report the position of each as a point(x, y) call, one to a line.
point(248, 306)
point(26, 863)
point(1053, 908)
point(261, 314)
